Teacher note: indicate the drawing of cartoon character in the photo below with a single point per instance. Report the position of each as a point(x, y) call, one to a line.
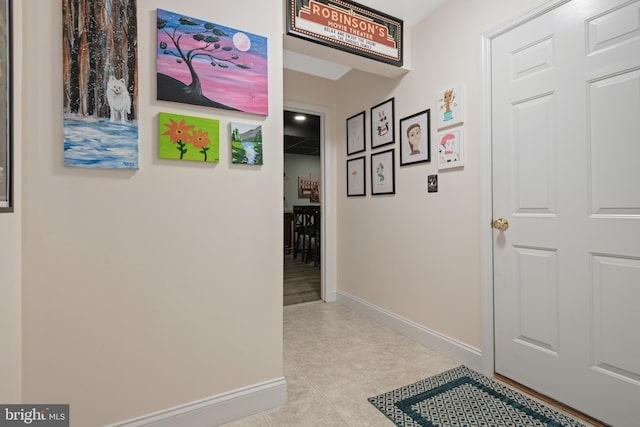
point(447, 149)
point(448, 99)
point(380, 173)
point(383, 124)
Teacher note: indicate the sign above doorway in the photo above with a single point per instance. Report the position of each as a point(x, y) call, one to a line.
point(347, 26)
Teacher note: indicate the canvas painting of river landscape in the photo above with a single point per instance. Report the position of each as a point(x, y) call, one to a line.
point(189, 138)
point(100, 84)
point(246, 144)
point(202, 63)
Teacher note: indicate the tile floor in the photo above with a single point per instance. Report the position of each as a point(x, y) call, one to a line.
point(334, 359)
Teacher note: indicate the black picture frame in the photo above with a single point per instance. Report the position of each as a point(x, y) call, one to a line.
point(356, 133)
point(415, 138)
point(382, 124)
point(383, 172)
point(356, 177)
point(6, 113)
point(432, 183)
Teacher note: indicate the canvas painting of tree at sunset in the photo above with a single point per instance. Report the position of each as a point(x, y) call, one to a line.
point(188, 138)
point(203, 63)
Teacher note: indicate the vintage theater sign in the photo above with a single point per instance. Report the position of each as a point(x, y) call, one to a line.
point(347, 26)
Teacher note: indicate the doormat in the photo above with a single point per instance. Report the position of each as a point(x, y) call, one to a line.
point(463, 397)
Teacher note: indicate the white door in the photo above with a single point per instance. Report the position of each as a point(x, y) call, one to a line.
point(566, 176)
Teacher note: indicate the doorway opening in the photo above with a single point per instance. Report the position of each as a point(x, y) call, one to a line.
point(302, 206)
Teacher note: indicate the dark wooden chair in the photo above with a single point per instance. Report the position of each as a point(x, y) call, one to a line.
point(306, 230)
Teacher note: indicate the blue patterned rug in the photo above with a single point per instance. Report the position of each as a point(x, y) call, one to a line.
point(462, 397)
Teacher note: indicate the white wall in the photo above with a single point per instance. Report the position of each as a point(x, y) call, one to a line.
point(143, 290)
point(417, 254)
point(10, 252)
point(298, 165)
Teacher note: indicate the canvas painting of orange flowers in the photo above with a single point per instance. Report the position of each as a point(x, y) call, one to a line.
point(189, 138)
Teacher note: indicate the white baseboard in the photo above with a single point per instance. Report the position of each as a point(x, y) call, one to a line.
point(450, 347)
point(217, 410)
point(330, 296)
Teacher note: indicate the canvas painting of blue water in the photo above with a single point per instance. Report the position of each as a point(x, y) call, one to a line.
point(246, 144)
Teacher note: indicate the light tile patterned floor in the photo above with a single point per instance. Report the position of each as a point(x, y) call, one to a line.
point(334, 359)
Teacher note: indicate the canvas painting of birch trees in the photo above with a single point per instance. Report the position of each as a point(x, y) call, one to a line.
point(100, 80)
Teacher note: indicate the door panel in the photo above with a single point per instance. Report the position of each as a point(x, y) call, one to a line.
point(614, 100)
point(536, 289)
point(566, 175)
point(534, 156)
point(616, 289)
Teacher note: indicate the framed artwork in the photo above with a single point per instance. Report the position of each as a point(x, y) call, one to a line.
point(246, 144)
point(347, 26)
point(415, 138)
point(450, 149)
point(432, 183)
point(6, 121)
point(203, 63)
point(382, 172)
point(355, 134)
point(382, 130)
point(188, 138)
point(100, 84)
point(356, 182)
point(450, 106)
point(309, 187)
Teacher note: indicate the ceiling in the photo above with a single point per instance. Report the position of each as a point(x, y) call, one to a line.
point(301, 137)
point(409, 11)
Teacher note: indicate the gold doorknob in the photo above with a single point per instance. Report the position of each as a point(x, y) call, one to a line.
point(501, 224)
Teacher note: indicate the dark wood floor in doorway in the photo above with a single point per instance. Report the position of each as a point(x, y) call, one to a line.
point(301, 281)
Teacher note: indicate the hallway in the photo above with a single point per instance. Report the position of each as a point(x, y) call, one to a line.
point(334, 359)
point(301, 281)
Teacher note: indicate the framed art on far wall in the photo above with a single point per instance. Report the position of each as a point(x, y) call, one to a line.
point(6, 173)
point(382, 172)
point(450, 149)
point(356, 181)
point(382, 130)
point(355, 133)
point(450, 106)
point(415, 138)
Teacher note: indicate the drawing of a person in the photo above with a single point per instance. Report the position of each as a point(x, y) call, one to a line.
point(414, 134)
point(447, 149)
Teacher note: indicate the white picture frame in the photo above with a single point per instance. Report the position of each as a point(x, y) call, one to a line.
point(450, 102)
point(450, 149)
